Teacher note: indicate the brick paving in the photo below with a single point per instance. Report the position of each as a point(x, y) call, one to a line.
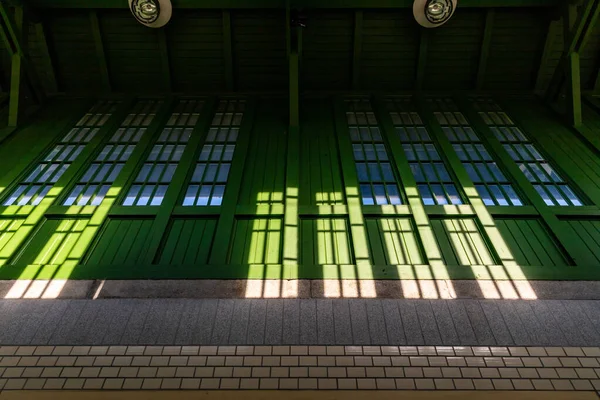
point(300, 367)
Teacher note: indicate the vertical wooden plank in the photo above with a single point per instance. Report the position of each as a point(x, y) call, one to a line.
point(40, 32)
point(553, 28)
point(426, 236)
point(358, 231)
point(357, 53)
point(228, 50)
point(291, 219)
point(294, 89)
point(485, 47)
point(16, 73)
point(224, 230)
point(574, 112)
point(100, 54)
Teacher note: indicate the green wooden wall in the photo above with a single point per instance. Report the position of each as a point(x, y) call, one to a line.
point(270, 224)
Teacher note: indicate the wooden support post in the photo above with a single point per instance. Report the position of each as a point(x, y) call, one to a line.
point(48, 54)
point(16, 73)
point(357, 54)
point(485, 47)
point(100, 54)
point(553, 28)
point(228, 51)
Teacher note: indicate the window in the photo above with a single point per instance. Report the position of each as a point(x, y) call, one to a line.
point(491, 183)
point(374, 170)
point(152, 182)
point(207, 185)
point(32, 190)
point(434, 182)
point(546, 180)
point(95, 182)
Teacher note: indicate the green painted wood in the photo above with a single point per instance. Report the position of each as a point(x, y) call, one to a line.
point(351, 189)
point(325, 241)
point(264, 171)
point(574, 90)
point(8, 228)
point(163, 45)
point(294, 89)
point(226, 223)
point(182, 175)
point(54, 242)
point(40, 31)
point(120, 241)
point(530, 242)
point(484, 218)
point(291, 233)
point(422, 60)
point(357, 53)
point(553, 29)
point(256, 241)
point(461, 242)
point(16, 68)
point(425, 233)
point(188, 242)
point(558, 230)
point(100, 53)
point(588, 232)
point(485, 48)
point(394, 241)
point(100, 213)
point(320, 172)
point(227, 50)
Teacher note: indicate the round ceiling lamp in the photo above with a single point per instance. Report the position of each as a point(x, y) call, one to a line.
point(151, 13)
point(433, 13)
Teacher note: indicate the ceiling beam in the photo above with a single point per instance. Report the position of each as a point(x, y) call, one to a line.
point(100, 54)
point(48, 54)
point(553, 28)
point(485, 47)
point(357, 53)
point(223, 4)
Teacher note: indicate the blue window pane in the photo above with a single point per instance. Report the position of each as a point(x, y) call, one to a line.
point(449, 133)
point(408, 150)
point(367, 196)
point(156, 173)
point(159, 195)
point(41, 195)
point(417, 172)
point(168, 174)
point(472, 173)
point(421, 153)
point(388, 175)
point(557, 195)
point(370, 152)
point(518, 134)
point(426, 195)
point(498, 195)
point(15, 195)
point(483, 152)
point(132, 195)
point(541, 176)
point(365, 135)
point(498, 134)
point(228, 154)
point(73, 196)
point(87, 195)
point(547, 199)
point(100, 195)
point(358, 152)
point(374, 172)
point(433, 154)
point(375, 133)
point(496, 172)
point(429, 172)
point(223, 173)
point(523, 152)
point(380, 197)
point(442, 172)
point(533, 151)
point(483, 172)
point(402, 134)
point(354, 135)
point(570, 195)
point(508, 134)
point(511, 152)
point(512, 195)
point(115, 172)
point(217, 196)
point(190, 195)
point(413, 135)
point(527, 172)
point(381, 152)
point(472, 135)
point(394, 194)
point(198, 173)
point(204, 195)
point(145, 196)
point(462, 156)
point(485, 195)
point(361, 171)
point(460, 134)
point(144, 173)
point(211, 173)
point(423, 134)
point(453, 194)
point(550, 171)
point(205, 153)
point(473, 155)
point(440, 196)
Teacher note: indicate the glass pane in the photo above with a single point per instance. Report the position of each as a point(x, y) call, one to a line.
point(217, 196)
point(498, 195)
point(570, 195)
point(100, 195)
point(374, 172)
point(512, 195)
point(190, 195)
point(223, 173)
point(440, 196)
point(380, 197)
point(417, 172)
point(484, 173)
point(211, 173)
point(381, 152)
point(156, 173)
point(429, 172)
point(370, 152)
point(393, 194)
point(367, 196)
point(358, 152)
point(453, 194)
point(204, 195)
point(388, 175)
point(168, 174)
point(361, 171)
point(485, 195)
point(496, 172)
point(132, 195)
point(145, 196)
point(426, 195)
point(547, 199)
point(198, 172)
point(442, 172)
point(557, 195)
